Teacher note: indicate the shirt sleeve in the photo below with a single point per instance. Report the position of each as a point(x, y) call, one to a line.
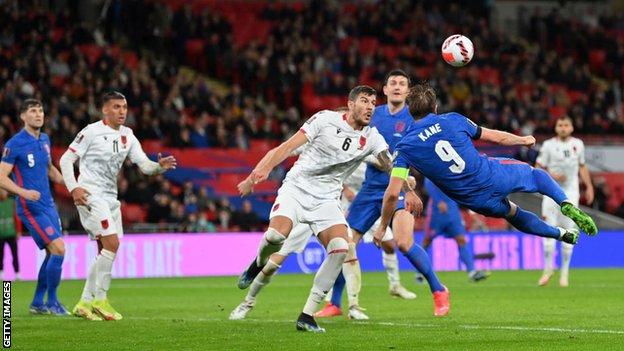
point(314, 124)
point(468, 126)
point(136, 154)
point(81, 143)
point(9, 153)
point(543, 158)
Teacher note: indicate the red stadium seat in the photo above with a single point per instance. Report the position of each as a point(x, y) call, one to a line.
point(133, 213)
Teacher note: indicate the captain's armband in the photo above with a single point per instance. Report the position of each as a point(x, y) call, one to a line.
point(400, 172)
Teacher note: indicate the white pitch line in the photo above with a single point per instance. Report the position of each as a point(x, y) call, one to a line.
point(392, 324)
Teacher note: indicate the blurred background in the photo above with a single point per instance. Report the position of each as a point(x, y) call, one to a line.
point(219, 83)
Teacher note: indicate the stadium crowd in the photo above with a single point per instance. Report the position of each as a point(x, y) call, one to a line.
point(516, 83)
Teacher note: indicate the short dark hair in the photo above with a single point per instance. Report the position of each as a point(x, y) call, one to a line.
point(111, 95)
point(421, 100)
point(565, 118)
point(397, 72)
point(361, 89)
point(28, 103)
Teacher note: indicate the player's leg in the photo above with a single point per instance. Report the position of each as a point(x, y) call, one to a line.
point(391, 264)
point(334, 239)
point(547, 186)
point(271, 242)
point(549, 213)
point(530, 223)
point(566, 251)
point(296, 241)
point(42, 231)
point(54, 270)
point(84, 307)
point(403, 229)
point(282, 219)
point(13, 245)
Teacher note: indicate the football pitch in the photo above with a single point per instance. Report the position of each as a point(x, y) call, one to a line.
point(506, 312)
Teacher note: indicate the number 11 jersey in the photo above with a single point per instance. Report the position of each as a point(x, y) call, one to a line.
point(102, 151)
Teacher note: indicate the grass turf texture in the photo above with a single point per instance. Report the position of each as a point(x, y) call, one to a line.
point(506, 312)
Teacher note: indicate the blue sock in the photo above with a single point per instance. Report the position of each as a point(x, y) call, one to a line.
point(420, 260)
point(530, 223)
point(53, 271)
point(465, 254)
point(339, 285)
point(547, 186)
point(42, 283)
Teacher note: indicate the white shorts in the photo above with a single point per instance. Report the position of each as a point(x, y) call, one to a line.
point(302, 208)
point(551, 212)
point(102, 217)
point(370, 234)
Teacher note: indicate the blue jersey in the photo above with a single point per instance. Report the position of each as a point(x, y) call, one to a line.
point(392, 128)
point(30, 158)
point(440, 147)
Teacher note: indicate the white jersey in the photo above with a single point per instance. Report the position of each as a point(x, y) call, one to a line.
point(564, 157)
point(334, 151)
point(102, 151)
point(355, 180)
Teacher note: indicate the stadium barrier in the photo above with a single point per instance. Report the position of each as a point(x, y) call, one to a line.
point(185, 255)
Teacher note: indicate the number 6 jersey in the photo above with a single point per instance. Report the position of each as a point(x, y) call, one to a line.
point(333, 152)
point(102, 151)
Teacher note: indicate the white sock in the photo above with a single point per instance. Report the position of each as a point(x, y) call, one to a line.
point(104, 266)
point(263, 278)
point(89, 288)
point(327, 274)
point(549, 250)
point(391, 264)
point(566, 257)
point(271, 243)
point(353, 276)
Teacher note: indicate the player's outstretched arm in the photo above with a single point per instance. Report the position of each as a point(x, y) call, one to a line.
point(586, 179)
point(9, 185)
point(277, 156)
point(504, 138)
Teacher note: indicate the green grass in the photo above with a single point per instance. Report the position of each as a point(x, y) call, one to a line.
point(506, 312)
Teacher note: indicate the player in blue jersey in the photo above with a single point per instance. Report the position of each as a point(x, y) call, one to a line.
point(440, 147)
point(444, 218)
point(26, 157)
point(392, 120)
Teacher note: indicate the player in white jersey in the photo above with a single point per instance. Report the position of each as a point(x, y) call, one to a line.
point(564, 158)
point(101, 149)
point(310, 193)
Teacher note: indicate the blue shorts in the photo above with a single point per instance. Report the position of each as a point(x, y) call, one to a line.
point(508, 176)
point(366, 208)
point(43, 225)
point(449, 225)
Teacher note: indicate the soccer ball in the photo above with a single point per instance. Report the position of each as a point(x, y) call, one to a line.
point(457, 50)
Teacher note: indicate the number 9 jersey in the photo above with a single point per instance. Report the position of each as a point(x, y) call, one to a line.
point(440, 147)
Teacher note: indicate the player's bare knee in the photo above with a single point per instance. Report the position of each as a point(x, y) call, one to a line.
point(110, 243)
point(405, 243)
point(57, 247)
point(513, 209)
